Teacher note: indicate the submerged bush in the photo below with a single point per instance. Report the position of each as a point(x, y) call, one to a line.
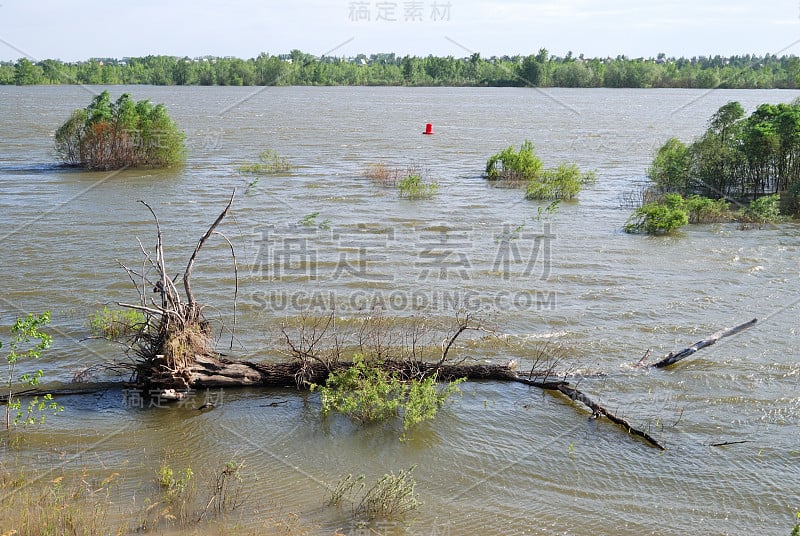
point(113, 135)
point(511, 165)
point(411, 182)
point(116, 324)
point(414, 187)
point(659, 217)
point(563, 182)
point(391, 497)
point(763, 210)
point(382, 174)
point(269, 163)
point(368, 393)
point(524, 167)
point(705, 210)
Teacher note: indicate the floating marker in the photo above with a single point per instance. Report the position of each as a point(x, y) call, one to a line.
point(428, 129)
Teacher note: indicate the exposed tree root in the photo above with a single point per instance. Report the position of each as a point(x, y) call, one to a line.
point(175, 334)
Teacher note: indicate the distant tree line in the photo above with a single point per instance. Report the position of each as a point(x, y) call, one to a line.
point(298, 68)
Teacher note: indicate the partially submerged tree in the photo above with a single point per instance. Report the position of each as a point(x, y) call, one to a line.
point(113, 135)
point(737, 157)
point(659, 217)
point(176, 352)
point(28, 341)
point(563, 182)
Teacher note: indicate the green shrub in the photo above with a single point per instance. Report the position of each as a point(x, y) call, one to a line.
point(368, 393)
point(172, 485)
point(269, 163)
point(414, 187)
point(28, 341)
point(763, 210)
point(108, 135)
point(391, 497)
point(790, 201)
point(660, 217)
point(116, 324)
point(524, 167)
point(363, 392)
point(563, 182)
point(423, 399)
point(707, 210)
point(670, 168)
point(510, 165)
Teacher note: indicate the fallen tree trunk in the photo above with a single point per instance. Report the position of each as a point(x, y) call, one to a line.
point(176, 350)
point(208, 373)
point(597, 409)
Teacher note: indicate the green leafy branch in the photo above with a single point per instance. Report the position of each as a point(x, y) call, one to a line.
point(28, 341)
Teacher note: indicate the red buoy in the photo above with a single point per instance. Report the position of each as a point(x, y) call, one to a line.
point(428, 129)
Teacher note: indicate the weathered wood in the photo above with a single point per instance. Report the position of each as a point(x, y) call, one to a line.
point(674, 357)
point(725, 443)
point(210, 372)
point(187, 274)
point(597, 409)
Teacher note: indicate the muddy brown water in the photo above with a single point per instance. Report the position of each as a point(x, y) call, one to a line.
point(502, 459)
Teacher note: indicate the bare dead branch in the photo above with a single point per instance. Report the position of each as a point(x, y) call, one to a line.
point(160, 262)
point(724, 443)
point(148, 310)
point(597, 409)
point(187, 274)
point(462, 327)
point(236, 283)
point(644, 358)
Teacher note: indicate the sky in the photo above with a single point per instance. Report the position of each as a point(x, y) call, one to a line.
point(81, 29)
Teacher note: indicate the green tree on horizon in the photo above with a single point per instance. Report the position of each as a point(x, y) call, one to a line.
point(299, 68)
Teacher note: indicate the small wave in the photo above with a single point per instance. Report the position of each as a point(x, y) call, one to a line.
point(36, 168)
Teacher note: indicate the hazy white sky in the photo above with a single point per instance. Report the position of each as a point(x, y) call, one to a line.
point(80, 29)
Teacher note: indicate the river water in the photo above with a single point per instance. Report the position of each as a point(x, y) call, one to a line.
point(502, 459)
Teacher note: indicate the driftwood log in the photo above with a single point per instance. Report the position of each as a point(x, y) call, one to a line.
point(674, 357)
